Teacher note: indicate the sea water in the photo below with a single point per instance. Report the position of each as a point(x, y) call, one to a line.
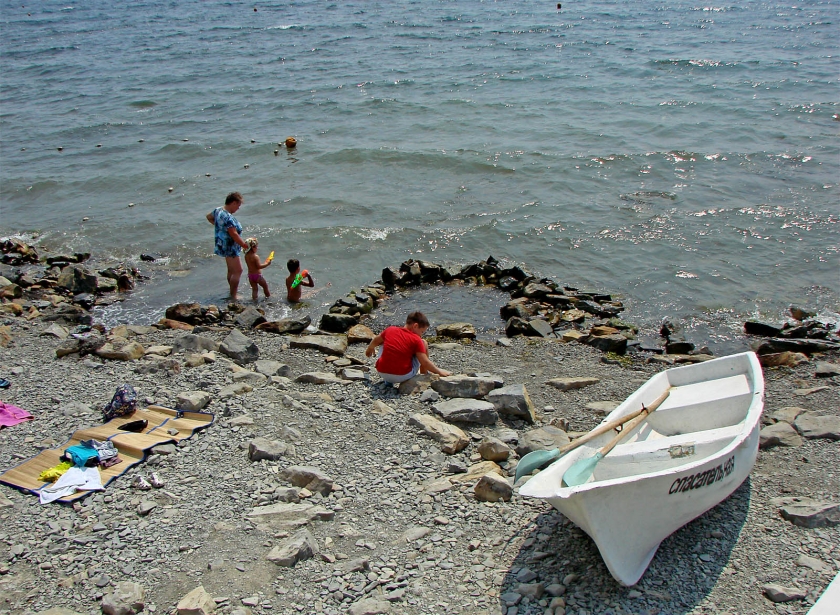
point(681, 155)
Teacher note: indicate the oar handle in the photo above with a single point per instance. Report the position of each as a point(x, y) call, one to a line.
point(630, 425)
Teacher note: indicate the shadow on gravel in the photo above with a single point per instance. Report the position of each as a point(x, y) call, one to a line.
point(552, 550)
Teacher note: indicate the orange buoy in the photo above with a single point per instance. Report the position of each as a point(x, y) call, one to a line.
point(291, 142)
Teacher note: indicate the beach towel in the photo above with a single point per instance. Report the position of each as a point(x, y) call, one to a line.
point(12, 415)
point(133, 447)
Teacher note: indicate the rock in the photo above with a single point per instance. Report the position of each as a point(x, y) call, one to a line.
point(128, 598)
point(370, 606)
point(800, 313)
point(249, 318)
point(191, 341)
point(145, 507)
point(616, 343)
point(291, 513)
point(56, 330)
point(309, 478)
point(285, 326)
point(193, 401)
point(338, 323)
point(535, 327)
point(328, 344)
point(779, 434)
point(237, 388)
point(808, 347)
point(197, 602)
point(168, 323)
point(353, 375)
point(78, 280)
point(360, 334)
point(242, 419)
point(475, 472)
point(491, 488)
point(812, 513)
point(779, 593)
point(457, 330)
point(239, 348)
point(823, 370)
point(493, 449)
point(160, 351)
point(270, 368)
point(298, 548)
point(380, 408)
point(320, 378)
point(544, 438)
point(185, 312)
point(263, 448)
point(513, 400)
point(534, 591)
point(570, 384)
point(787, 414)
point(813, 425)
point(418, 384)
point(451, 438)
point(250, 377)
point(778, 359)
point(463, 410)
point(129, 352)
point(813, 563)
point(59, 610)
point(603, 408)
point(465, 386)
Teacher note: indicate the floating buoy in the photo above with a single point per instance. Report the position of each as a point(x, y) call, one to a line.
point(184, 140)
point(141, 140)
point(207, 174)
point(247, 166)
point(85, 219)
point(253, 140)
point(60, 149)
point(98, 145)
point(277, 151)
point(171, 188)
point(131, 204)
point(291, 142)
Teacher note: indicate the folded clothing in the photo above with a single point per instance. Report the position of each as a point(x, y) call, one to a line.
point(74, 479)
point(12, 415)
point(81, 455)
point(105, 450)
point(54, 473)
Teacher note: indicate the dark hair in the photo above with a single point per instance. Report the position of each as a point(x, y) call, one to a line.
point(233, 197)
point(417, 318)
point(293, 265)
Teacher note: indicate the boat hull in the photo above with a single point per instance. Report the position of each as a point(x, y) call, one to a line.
point(628, 516)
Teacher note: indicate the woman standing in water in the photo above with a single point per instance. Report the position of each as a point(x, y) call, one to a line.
point(229, 242)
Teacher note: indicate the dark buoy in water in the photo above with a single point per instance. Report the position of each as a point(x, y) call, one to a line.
point(291, 142)
point(255, 9)
point(559, 6)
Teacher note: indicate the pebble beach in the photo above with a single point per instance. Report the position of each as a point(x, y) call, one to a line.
point(389, 522)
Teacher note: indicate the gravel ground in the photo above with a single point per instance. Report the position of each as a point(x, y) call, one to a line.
point(472, 556)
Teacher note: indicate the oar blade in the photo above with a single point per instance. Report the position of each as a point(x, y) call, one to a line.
point(581, 471)
point(534, 460)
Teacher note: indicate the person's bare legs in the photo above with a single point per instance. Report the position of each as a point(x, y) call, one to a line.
point(234, 272)
point(264, 285)
point(255, 290)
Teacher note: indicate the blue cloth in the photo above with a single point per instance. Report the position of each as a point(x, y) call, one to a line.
point(81, 453)
point(225, 246)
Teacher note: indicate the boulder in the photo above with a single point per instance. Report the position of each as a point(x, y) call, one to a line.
point(320, 378)
point(78, 280)
point(513, 400)
point(825, 370)
point(451, 438)
point(285, 326)
point(475, 472)
point(194, 342)
point(535, 327)
point(752, 327)
point(569, 384)
point(807, 347)
point(197, 602)
point(493, 449)
point(263, 448)
point(239, 348)
point(780, 593)
point(338, 323)
point(237, 388)
point(270, 368)
point(616, 342)
point(193, 401)
point(812, 425)
point(544, 438)
point(457, 330)
point(418, 384)
point(812, 513)
point(779, 434)
point(492, 487)
point(787, 414)
point(127, 599)
point(299, 547)
point(370, 606)
point(465, 410)
point(291, 513)
point(129, 352)
point(465, 386)
point(308, 477)
point(249, 318)
point(185, 312)
point(328, 344)
point(360, 334)
point(779, 359)
point(56, 330)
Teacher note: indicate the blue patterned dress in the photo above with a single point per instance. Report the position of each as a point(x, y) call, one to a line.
point(225, 246)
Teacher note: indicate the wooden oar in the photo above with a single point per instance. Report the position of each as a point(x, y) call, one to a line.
point(538, 459)
point(581, 470)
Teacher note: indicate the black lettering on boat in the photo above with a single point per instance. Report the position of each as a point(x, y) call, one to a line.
point(703, 479)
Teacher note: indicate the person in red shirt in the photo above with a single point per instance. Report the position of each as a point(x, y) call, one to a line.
point(404, 353)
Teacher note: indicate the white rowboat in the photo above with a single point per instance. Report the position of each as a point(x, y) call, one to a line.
point(686, 457)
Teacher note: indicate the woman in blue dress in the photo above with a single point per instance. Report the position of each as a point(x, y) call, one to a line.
point(229, 242)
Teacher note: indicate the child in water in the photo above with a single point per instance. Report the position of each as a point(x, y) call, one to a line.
point(255, 278)
point(293, 293)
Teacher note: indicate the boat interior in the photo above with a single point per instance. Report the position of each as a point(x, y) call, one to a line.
point(696, 420)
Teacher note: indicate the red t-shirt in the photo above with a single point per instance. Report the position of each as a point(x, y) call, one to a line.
point(398, 350)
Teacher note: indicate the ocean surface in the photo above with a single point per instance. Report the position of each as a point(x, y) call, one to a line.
point(681, 155)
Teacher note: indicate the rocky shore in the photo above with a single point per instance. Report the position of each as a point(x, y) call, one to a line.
point(319, 489)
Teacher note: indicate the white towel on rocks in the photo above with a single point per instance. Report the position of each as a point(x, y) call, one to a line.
point(74, 479)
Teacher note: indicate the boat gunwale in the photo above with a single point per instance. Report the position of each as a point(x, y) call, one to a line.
point(749, 425)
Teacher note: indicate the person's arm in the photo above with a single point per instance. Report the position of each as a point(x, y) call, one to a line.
point(211, 218)
point(308, 281)
point(427, 365)
point(234, 234)
point(374, 343)
point(265, 264)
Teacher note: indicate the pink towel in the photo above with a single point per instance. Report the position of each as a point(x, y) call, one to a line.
point(12, 415)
